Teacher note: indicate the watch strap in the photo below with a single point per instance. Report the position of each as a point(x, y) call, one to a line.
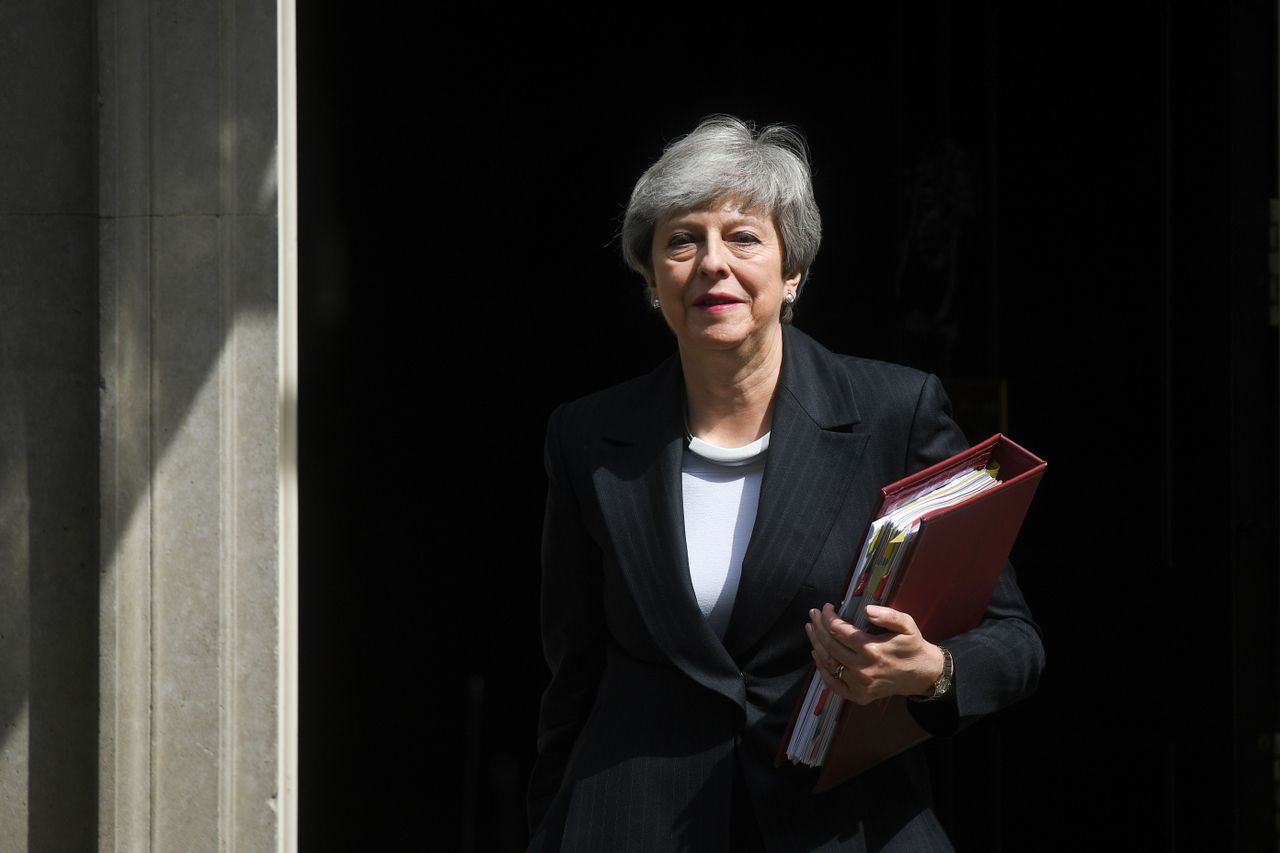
point(943, 685)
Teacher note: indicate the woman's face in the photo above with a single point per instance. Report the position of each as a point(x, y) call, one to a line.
point(718, 273)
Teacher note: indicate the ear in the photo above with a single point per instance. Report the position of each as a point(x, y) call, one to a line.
point(793, 281)
point(651, 290)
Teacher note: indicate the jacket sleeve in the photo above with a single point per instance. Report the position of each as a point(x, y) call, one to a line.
point(1000, 661)
point(573, 631)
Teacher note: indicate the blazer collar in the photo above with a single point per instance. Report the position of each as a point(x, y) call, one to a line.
point(817, 384)
point(811, 377)
point(814, 453)
point(636, 473)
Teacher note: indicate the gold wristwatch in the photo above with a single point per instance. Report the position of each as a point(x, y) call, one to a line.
point(943, 685)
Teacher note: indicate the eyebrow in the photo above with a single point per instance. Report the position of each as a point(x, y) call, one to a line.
point(738, 218)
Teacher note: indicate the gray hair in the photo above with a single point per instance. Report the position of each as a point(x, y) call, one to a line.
point(727, 158)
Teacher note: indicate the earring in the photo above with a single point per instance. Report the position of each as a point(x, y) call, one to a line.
point(790, 298)
point(656, 304)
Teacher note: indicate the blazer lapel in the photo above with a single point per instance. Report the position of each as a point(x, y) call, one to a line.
point(636, 472)
point(814, 455)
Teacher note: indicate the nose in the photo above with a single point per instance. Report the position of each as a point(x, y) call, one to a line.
point(715, 259)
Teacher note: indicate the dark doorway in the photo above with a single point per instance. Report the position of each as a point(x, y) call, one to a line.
point(1068, 223)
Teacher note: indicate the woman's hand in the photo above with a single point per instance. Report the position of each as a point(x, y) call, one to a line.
point(874, 665)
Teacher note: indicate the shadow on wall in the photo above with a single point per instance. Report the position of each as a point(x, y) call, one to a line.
point(141, 573)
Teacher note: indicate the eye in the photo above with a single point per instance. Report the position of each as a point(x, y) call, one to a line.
point(745, 237)
point(680, 238)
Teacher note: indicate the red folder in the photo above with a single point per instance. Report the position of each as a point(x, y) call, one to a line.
point(945, 583)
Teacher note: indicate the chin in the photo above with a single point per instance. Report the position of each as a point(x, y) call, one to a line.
point(724, 339)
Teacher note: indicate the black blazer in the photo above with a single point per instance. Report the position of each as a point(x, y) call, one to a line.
point(647, 707)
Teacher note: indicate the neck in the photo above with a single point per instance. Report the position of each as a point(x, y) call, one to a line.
point(730, 394)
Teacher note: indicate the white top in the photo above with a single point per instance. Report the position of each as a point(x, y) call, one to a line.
point(721, 491)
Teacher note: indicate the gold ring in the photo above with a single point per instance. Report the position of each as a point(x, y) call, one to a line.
point(838, 672)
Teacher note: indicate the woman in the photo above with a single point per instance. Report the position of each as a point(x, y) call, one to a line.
point(700, 521)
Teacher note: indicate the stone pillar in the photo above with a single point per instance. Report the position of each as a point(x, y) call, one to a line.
point(142, 431)
point(190, 428)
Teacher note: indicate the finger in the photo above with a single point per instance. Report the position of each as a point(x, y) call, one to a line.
point(825, 666)
point(820, 624)
point(830, 647)
point(846, 686)
point(844, 631)
point(811, 635)
point(843, 688)
point(894, 620)
point(828, 655)
point(823, 644)
point(833, 684)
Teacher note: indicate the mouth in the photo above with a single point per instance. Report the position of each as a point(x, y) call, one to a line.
point(715, 300)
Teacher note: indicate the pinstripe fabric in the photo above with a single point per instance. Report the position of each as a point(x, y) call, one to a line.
point(647, 708)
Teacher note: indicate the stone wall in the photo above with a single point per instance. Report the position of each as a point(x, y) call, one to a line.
point(139, 426)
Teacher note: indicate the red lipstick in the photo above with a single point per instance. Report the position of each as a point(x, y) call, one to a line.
point(716, 301)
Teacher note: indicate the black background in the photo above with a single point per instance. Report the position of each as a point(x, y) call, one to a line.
point(1094, 192)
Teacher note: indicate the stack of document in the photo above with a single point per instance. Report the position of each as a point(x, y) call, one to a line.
point(876, 570)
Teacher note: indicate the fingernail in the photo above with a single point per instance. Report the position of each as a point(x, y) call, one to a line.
point(813, 613)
